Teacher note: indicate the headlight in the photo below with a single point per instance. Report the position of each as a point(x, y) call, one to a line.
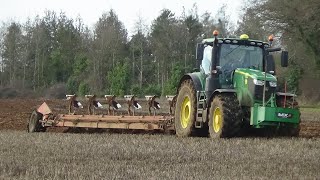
point(258, 82)
point(273, 84)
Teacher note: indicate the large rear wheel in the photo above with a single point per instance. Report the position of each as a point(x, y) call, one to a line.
point(225, 117)
point(185, 111)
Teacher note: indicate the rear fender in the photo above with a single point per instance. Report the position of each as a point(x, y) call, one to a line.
point(195, 79)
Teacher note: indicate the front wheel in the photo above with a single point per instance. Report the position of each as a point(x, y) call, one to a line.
point(225, 117)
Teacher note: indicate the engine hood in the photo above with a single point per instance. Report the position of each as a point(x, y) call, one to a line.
point(255, 74)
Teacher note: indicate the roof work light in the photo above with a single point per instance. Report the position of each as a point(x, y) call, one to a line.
point(244, 37)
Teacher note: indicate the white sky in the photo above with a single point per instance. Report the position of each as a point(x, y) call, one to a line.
point(127, 11)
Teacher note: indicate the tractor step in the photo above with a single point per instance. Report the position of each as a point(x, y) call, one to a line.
point(201, 106)
point(198, 124)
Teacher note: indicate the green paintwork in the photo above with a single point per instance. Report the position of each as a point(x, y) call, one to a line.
point(240, 83)
point(255, 74)
point(268, 116)
point(241, 79)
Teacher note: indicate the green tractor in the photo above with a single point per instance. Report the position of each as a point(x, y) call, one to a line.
point(235, 91)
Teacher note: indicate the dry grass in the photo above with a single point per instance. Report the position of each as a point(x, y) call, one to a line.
point(310, 114)
point(124, 156)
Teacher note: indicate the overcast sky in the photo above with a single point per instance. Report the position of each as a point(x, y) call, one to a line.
point(127, 11)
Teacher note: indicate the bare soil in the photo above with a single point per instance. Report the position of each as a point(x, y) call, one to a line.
point(15, 113)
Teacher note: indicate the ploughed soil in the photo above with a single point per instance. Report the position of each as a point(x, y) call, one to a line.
point(14, 113)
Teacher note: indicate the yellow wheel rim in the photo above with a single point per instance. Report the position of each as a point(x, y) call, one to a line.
point(217, 120)
point(185, 112)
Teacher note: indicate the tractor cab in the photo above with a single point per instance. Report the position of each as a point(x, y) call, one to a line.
point(228, 64)
point(231, 54)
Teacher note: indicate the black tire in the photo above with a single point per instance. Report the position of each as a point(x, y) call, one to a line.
point(227, 111)
point(184, 124)
point(34, 124)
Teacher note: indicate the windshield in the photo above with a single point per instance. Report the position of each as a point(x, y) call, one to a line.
point(240, 56)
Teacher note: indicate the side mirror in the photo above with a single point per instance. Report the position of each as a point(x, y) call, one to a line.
point(200, 48)
point(271, 67)
point(284, 59)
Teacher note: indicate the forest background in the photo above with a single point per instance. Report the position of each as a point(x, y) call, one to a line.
point(52, 55)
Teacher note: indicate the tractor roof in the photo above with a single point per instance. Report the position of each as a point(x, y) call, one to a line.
point(235, 41)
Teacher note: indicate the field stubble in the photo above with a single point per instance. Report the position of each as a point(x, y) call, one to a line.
point(125, 156)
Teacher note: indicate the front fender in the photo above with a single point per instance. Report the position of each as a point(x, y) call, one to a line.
point(220, 91)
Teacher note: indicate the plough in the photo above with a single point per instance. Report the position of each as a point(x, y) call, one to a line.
point(43, 117)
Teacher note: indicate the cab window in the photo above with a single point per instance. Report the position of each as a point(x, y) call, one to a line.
point(206, 62)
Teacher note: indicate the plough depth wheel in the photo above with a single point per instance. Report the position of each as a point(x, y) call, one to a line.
point(34, 124)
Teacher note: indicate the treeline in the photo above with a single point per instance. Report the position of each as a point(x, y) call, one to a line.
point(55, 49)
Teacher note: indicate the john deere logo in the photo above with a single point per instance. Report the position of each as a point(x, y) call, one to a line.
point(284, 115)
